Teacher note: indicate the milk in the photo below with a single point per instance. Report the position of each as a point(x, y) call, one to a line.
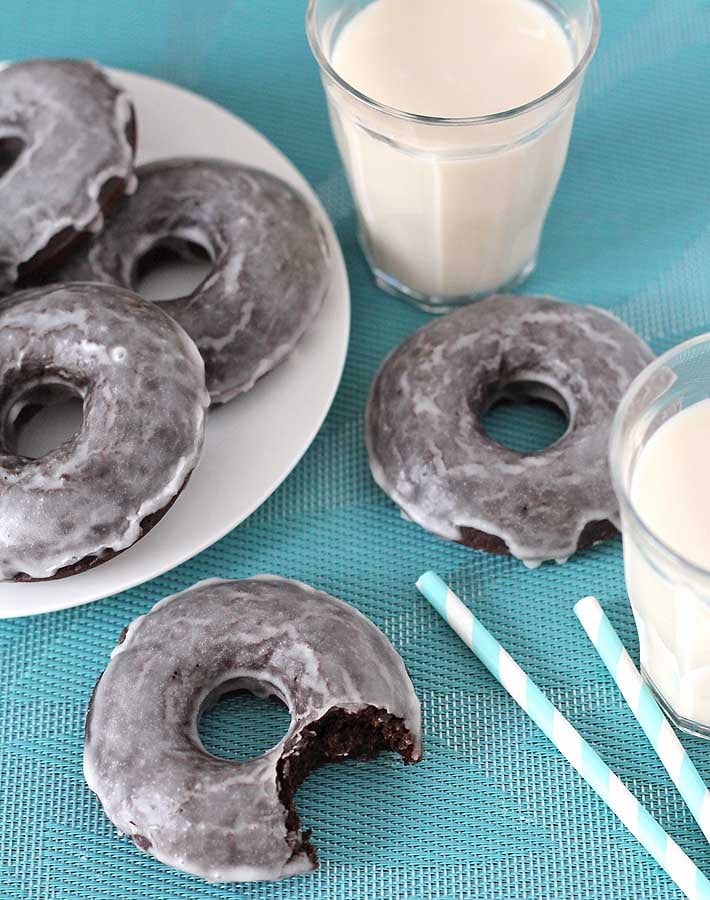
point(453, 211)
point(670, 492)
point(453, 58)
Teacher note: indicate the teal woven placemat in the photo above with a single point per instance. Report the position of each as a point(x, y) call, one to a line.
point(492, 812)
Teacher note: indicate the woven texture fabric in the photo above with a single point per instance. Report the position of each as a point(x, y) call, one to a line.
point(492, 812)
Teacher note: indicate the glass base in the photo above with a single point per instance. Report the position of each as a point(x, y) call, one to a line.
point(435, 304)
point(695, 729)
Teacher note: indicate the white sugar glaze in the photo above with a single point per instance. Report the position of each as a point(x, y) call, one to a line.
point(270, 261)
point(142, 383)
point(74, 123)
point(430, 454)
point(217, 818)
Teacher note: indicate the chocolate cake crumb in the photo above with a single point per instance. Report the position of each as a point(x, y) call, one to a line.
point(337, 736)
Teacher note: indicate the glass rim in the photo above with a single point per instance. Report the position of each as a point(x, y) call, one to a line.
point(615, 453)
point(491, 118)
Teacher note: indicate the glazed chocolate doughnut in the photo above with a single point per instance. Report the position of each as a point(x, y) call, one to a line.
point(142, 384)
point(429, 452)
point(67, 134)
point(345, 686)
point(270, 261)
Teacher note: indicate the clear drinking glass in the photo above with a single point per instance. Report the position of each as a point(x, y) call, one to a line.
point(451, 209)
point(670, 595)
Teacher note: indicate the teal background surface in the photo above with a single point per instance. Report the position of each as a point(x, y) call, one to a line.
point(492, 812)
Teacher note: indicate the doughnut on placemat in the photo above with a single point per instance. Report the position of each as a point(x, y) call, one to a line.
point(492, 812)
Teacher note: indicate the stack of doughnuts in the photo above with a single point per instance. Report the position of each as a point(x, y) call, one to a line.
point(78, 219)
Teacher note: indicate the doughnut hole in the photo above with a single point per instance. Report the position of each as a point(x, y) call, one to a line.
point(524, 416)
point(41, 418)
point(11, 149)
point(241, 722)
point(173, 267)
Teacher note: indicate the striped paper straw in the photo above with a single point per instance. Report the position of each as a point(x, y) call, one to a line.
point(648, 713)
point(566, 738)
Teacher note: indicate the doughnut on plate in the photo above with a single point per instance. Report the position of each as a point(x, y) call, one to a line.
point(268, 429)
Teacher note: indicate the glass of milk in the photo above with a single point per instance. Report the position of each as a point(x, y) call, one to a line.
point(660, 462)
point(453, 119)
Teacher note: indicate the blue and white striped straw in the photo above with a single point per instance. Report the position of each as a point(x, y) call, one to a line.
point(566, 738)
point(648, 713)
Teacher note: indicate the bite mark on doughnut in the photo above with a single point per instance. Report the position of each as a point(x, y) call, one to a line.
point(337, 736)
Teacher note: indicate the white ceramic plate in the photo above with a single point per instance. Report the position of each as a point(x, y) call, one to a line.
point(252, 443)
